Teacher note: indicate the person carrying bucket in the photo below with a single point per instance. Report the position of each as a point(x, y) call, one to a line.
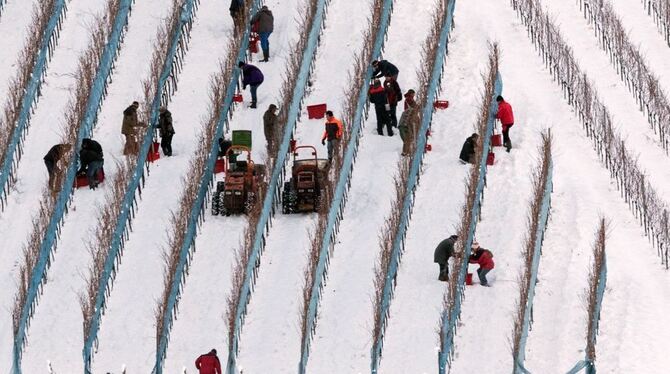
point(484, 258)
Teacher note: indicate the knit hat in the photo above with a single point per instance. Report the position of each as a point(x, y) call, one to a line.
point(475, 245)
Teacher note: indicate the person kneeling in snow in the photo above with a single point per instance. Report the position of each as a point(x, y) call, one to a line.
point(208, 363)
point(484, 258)
point(469, 149)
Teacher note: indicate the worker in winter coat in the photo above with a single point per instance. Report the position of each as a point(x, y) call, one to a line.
point(393, 96)
point(91, 161)
point(237, 12)
point(224, 145)
point(165, 130)
point(409, 99)
point(269, 123)
point(469, 149)
point(266, 23)
point(484, 258)
point(253, 77)
point(407, 126)
point(385, 69)
point(130, 129)
point(333, 133)
point(379, 99)
point(51, 161)
point(506, 117)
point(208, 363)
point(443, 252)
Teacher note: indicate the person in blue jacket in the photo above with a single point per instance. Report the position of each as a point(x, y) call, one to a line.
point(253, 77)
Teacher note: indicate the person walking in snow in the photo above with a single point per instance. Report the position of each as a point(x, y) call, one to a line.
point(208, 363)
point(385, 69)
point(484, 258)
point(237, 12)
point(409, 99)
point(393, 96)
point(130, 129)
point(379, 99)
point(269, 123)
point(469, 149)
point(443, 252)
point(407, 125)
point(252, 77)
point(51, 161)
point(266, 23)
point(166, 130)
point(333, 133)
point(506, 117)
point(91, 161)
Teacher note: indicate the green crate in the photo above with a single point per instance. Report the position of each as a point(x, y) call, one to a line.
point(242, 137)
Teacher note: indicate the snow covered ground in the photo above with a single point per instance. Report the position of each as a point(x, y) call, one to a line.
point(45, 131)
point(16, 17)
point(631, 340)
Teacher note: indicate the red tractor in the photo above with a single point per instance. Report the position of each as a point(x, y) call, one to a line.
point(302, 193)
point(237, 192)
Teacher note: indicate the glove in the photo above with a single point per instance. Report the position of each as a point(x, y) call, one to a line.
point(323, 141)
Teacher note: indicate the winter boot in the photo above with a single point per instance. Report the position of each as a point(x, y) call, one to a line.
point(266, 55)
point(253, 105)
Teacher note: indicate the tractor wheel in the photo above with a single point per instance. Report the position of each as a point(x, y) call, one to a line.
point(220, 186)
point(215, 204)
point(288, 199)
point(249, 202)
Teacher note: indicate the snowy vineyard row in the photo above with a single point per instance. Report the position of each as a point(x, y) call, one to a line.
point(92, 75)
point(631, 66)
point(638, 193)
point(659, 10)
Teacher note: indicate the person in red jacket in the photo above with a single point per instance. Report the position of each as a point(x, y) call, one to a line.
point(506, 117)
point(484, 258)
point(208, 363)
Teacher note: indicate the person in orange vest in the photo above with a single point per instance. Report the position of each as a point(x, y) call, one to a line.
point(506, 117)
point(333, 133)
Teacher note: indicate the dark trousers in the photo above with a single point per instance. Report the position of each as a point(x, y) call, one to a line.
point(392, 116)
point(166, 144)
point(481, 273)
point(444, 272)
point(383, 120)
point(265, 44)
point(92, 172)
point(507, 143)
point(253, 88)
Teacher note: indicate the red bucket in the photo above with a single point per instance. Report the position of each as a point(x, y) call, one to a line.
point(441, 104)
point(317, 111)
point(220, 166)
point(468, 279)
point(496, 140)
point(82, 181)
point(429, 147)
point(237, 98)
point(490, 158)
point(292, 144)
point(154, 154)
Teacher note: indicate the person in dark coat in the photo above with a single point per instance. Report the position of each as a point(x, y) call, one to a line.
point(208, 363)
point(266, 23)
point(224, 145)
point(393, 96)
point(253, 77)
point(506, 117)
point(443, 252)
point(379, 99)
point(484, 258)
point(385, 69)
point(237, 12)
point(91, 161)
point(269, 124)
point(469, 149)
point(165, 130)
point(51, 159)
